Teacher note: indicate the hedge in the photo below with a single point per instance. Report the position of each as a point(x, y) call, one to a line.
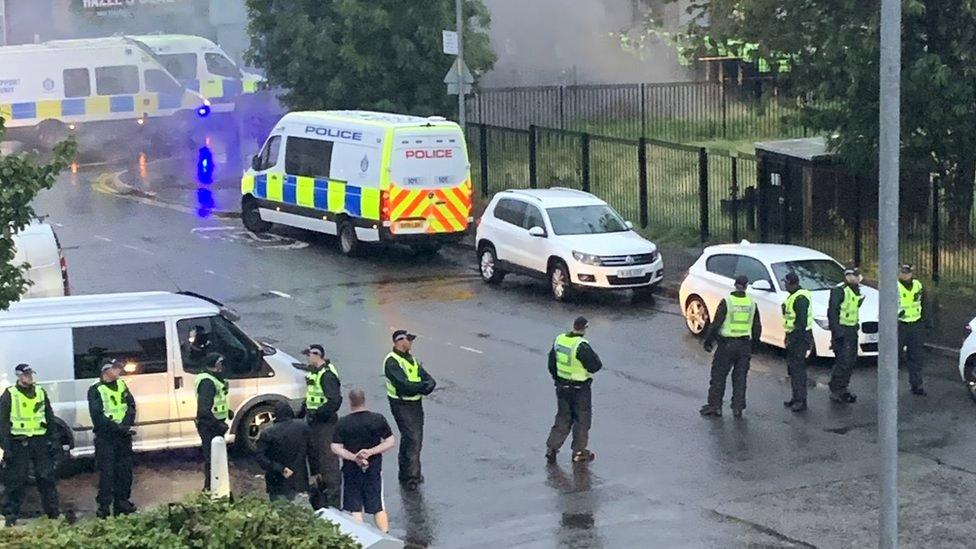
point(198, 522)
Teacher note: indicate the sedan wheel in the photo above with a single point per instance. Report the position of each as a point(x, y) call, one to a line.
point(696, 316)
point(562, 288)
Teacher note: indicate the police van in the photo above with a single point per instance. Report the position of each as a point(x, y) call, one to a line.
point(202, 66)
point(364, 176)
point(95, 87)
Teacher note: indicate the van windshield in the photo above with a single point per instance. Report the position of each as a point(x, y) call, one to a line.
point(429, 160)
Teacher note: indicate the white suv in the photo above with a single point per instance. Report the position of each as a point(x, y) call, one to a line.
point(570, 237)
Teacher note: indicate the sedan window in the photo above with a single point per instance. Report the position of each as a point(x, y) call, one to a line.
point(722, 265)
point(753, 269)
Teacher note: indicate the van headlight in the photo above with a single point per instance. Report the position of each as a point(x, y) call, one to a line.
point(587, 259)
point(823, 323)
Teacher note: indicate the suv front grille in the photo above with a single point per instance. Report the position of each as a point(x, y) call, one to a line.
point(622, 260)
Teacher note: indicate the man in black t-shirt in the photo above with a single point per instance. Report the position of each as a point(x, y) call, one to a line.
point(360, 440)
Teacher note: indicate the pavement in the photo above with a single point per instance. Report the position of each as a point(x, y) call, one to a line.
point(663, 476)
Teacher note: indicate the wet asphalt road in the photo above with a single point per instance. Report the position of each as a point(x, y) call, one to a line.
point(663, 477)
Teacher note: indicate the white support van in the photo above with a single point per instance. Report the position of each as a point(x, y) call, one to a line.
point(157, 335)
point(38, 246)
point(97, 87)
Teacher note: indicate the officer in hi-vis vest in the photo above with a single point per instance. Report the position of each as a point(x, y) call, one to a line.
point(572, 363)
point(323, 396)
point(733, 327)
point(26, 436)
point(844, 319)
point(910, 326)
point(213, 408)
point(113, 413)
point(406, 384)
point(798, 326)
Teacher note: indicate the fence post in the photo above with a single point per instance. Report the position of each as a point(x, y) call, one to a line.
point(585, 160)
point(858, 230)
point(483, 154)
point(533, 172)
point(643, 109)
point(724, 111)
point(762, 197)
point(562, 107)
point(936, 226)
point(703, 191)
point(735, 197)
point(642, 179)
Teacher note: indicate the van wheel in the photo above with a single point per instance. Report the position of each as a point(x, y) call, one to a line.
point(348, 241)
point(50, 133)
point(257, 419)
point(251, 217)
point(559, 282)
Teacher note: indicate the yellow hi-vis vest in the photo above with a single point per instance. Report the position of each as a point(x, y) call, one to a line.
point(113, 402)
point(789, 314)
point(314, 397)
point(568, 366)
point(411, 369)
point(219, 408)
point(850, 308)
point(27, 417)
point(910, 302)
point(740, 313)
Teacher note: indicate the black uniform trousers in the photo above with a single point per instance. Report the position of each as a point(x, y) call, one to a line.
point(574, 412)
point(732, 355)
point(207, 434)
point(798, 343)
point(22, 453)
point(113, 459)
point(911, 338)
point(845, 353)
point(409, 417)
point(327, 492)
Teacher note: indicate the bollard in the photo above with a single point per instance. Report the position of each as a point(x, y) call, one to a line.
point(364, 534)
point(219, 472)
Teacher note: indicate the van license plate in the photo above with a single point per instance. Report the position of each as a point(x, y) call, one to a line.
point(410, 224)
point(870, 338)
point(630, 273)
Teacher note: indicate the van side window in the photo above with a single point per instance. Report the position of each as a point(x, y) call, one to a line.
point(200, 337)
point(269, 154)
point(117, 80)
point(160, 82)
point(183, 66)
point(308, 157)
point(76, 83)
point(141, 348)
point(221, 66)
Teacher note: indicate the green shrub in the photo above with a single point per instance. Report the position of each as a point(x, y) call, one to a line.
point(198, 522)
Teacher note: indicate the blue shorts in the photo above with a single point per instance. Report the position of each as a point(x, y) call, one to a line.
point(362, 491)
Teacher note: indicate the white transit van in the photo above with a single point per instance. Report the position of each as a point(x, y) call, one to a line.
point(364, 176)
point(94, 87)
point(161, 338)
point(202, 66)
point(38, 246)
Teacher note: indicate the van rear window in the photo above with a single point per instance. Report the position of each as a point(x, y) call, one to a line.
point(141, 348)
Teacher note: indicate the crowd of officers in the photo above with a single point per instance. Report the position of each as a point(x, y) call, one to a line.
point(302, 454)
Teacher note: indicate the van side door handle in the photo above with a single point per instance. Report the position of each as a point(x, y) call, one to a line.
point(178, 382)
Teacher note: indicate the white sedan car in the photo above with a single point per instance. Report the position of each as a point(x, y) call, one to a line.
point(967, 359)
point(710, 279)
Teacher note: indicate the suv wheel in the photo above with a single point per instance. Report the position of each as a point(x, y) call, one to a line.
point(560, 282)
point(488, 264)
point(696, 315)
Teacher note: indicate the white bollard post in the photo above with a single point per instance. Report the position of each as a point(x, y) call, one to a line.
point(219, 472)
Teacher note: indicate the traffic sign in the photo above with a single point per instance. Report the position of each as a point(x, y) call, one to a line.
point(450, 40)
point(451, 79)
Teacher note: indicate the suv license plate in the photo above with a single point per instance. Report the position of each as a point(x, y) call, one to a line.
point(630, 273)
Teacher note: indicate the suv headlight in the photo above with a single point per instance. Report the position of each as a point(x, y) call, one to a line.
point(823, 323)
point(588, 259)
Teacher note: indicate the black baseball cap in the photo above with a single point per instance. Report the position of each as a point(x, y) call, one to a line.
point(741, 281)
point(109, 363)
point(580, 323)
point(906, 268)
point(403, 334)
point(791, 278)
point(320, 350)
point(23, 369)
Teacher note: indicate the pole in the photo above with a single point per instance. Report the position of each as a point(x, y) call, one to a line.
point(888, 158)
point(459, 23)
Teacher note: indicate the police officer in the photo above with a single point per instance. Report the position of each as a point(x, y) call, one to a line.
point(406, 384)
point(212, 408)
point(113, 412)
point(910, 327)
point(26, 421)
point(798, 325)
point(323, 396)
point(572, 363)
point(843, 318)
point(733, 327)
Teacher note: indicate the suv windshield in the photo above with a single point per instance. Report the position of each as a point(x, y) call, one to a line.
point(815, 274)
point(597, 219)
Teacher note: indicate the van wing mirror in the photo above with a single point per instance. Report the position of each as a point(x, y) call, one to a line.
point(761, 286)
point(256, 163)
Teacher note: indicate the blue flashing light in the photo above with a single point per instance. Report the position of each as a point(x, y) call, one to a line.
point(203, 111)
point(205, 166)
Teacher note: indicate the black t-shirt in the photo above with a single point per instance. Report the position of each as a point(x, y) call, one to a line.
point(360, 431)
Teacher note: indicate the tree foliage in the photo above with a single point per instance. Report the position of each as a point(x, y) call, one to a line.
point(22, 176)
point(366, 54)
point(835, 47)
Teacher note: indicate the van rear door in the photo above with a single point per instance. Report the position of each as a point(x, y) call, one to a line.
point(430, 191)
